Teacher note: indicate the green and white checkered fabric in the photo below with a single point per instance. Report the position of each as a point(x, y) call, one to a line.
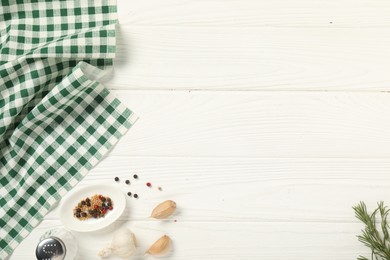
point(56, 120)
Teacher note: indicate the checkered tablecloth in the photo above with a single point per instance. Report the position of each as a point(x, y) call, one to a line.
point(56, 120)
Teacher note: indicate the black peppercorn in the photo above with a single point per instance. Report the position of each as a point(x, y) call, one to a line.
point(135, 196)
point(135, 176)
point(83, 214)
point(116, 179)
point(127, 182)
point(129, 194)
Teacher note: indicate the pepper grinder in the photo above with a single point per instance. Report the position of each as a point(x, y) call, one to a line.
point(56, 244)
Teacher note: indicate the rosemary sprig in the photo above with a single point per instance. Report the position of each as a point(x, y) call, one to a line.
point(377, 240)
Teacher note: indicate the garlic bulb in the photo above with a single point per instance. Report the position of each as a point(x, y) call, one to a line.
point(160, 247)
point(123, 244)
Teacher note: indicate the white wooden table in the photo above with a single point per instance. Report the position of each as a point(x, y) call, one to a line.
point(266, 121)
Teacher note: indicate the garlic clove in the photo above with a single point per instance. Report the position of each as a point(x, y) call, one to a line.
point(160, 247)
point(164, 209)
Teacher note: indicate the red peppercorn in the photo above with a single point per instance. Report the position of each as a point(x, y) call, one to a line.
point(104, 211)
point(96, 207)
point(148, 184)
point(110, 207)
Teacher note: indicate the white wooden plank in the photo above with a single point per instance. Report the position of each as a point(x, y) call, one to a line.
point(224, 240)
point(276, 13)
point(270, 124)
point(245, 190)
point(252, 58)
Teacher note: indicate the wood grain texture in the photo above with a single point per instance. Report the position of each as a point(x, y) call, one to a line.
point(229, 58)
point(256, 13)
point(258, 124)
point(227, 241)
point(246, 189)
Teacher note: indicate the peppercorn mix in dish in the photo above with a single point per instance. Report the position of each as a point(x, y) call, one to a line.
point(95, 207)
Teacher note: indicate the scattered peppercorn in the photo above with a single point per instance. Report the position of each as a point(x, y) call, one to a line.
point(129, 194)
point(159, 188)
point(135, 196)
point(116, 179)
point(148, 184)
point(127, 182)
point(135, 176)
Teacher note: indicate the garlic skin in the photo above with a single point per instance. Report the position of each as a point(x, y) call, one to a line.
point(164, 209)
point(123, 244)
point(105, 252)
point(160, 247)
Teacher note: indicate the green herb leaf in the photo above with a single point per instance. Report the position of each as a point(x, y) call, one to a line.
point(377, 240)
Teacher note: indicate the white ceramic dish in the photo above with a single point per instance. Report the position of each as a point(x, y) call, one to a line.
point(74, 197)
